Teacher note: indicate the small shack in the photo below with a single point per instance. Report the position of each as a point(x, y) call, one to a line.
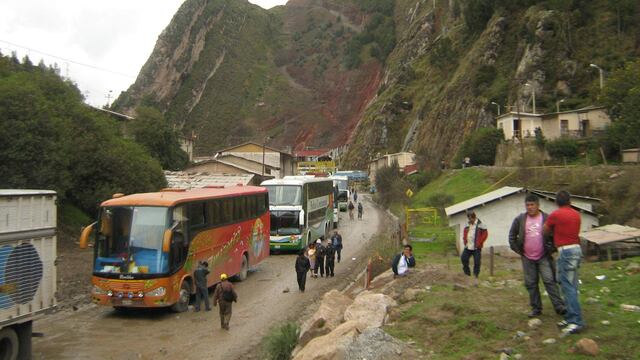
point(498, 208)
point(631, 155)
point(611, 242)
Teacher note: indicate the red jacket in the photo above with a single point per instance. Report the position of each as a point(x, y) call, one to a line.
point(481, 235)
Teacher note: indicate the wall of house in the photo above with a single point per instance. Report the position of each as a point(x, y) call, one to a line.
point(215, 168)
point(528, 125)
point(499, 215)
point(598, 121)
point(271, 158)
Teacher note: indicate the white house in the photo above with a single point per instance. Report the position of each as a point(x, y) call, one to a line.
point(498, 208)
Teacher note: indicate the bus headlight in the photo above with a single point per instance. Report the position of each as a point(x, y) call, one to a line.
point(98, 290)
point(161, 291)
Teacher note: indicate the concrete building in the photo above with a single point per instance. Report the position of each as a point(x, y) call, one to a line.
point(223, 167)
point(278, 163)
point(403, 159)
point(498, 208)
point(583, 122)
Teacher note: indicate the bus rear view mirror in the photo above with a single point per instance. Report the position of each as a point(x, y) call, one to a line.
point(166, 240)
point(84, 235)
point(301, 219)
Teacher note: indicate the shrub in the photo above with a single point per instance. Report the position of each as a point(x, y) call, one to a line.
point(563, 148)
point(481, 146)
point(281, 342)
point(390, 185)
point(440, 200)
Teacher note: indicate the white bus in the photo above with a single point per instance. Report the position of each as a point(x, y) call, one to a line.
point(342, 182)
point(301, 210)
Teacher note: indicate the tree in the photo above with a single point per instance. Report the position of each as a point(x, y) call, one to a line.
point(482, 145)
point(622, 97)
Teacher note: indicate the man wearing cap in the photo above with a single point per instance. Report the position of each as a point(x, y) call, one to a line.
point(474, 236)
point(225, 295)
point(564, 224)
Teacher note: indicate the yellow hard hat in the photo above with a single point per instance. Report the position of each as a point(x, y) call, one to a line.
point(223, 277)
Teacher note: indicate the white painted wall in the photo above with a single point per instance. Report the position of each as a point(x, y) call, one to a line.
point(499, 215)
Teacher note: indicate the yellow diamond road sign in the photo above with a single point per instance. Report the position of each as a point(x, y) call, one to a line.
point(409, 193)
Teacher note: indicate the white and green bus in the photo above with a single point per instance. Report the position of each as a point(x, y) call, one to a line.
point(301, 210)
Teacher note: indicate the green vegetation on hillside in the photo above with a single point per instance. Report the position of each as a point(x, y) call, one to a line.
point(379, 33)
point(51, 140)
point(459, 185)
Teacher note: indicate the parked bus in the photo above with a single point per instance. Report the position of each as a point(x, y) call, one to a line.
point(301, 210)
point(147, 246)
point(342, 182)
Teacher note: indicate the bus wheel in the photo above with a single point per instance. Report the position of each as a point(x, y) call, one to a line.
point(9, 346)
point(183, 301)
point(244, 270)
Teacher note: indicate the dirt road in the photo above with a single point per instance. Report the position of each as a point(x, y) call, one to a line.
point(102, 333)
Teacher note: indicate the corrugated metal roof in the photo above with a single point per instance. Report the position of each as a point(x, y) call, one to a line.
point(18, 192)
point(610, 233)
point(482, 199)
point(183, 180)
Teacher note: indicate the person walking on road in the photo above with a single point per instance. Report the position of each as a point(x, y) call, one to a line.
point(302, 268)
point(360, 211)
point(225, 295)
point(311, 255)
point(355, 195)
point(403, 261)
point(564, 224)
point(336, 240)
point(202, 290)
point(330, 258)
point(474, 236)
point(351, 207)
point(320, 255)
point(526, 238)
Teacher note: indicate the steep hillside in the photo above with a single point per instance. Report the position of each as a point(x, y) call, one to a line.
point(232, 71)
point(452, 60)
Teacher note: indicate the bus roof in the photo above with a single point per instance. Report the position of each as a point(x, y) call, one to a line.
point(294, 180)
point(176, 196)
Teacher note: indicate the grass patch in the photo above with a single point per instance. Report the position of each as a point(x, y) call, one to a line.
point(460, 184)
point(478, 322)
point(281, 341)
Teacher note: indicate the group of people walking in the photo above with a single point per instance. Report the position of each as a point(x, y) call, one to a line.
point(351, 207)
point(535, 236)
point(318, 257)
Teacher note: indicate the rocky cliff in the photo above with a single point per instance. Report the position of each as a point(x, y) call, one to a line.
point(381, 76)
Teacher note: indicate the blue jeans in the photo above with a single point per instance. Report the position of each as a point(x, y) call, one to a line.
point(568, 265)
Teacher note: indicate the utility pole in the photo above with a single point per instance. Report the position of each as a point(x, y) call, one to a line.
point(534, 96)
point(498, 105)
point(601, 74)
point(558, 105)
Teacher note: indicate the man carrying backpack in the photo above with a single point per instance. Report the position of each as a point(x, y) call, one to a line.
point(225, 295)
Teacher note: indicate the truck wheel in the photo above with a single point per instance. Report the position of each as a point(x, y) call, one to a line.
point(244, 269)
point(183, 300)
point(9, 347)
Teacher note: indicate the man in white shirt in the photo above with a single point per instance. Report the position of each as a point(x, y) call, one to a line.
point(403, 261)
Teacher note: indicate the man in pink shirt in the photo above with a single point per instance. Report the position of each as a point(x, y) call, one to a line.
point(527, 239)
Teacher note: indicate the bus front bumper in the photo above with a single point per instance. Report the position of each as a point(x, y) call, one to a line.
point(286, 242)
point(134, 294)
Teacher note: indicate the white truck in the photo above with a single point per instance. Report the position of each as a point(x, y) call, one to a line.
point(27, 266)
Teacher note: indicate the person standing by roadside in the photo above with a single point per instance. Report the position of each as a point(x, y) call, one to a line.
point(302, 268)
point(474, 236)
point(336, 240)
point(355, 195)
point(403, 261)
point(311, 255)
point(330, 258)
point(360, 210)
point(350, 207)
point(564, 224)
point(202, 290)
point(526, 238)
point(225, 295)
point(320, 255)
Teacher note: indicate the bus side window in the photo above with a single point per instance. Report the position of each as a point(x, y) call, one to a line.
point(251, 206)
point(262, 200)
point(214, 213)
point(227, 212)
point(196, 215)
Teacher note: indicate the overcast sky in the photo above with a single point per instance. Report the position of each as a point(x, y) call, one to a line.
point(100, 45)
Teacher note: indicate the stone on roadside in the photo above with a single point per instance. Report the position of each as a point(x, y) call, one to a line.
point(605, 290)
point(549, 341)
point(332, 345)
point(504, 356)
point(632, 308)
point(605, 322)
point(328, 316)
point(520, 334)
point(411, 294)
point(586, 346)
point(517, 356)
point(534, 323)
point(369, 308)
point(375, 344)
point(592, 300)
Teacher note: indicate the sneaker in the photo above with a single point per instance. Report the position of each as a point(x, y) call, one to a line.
point(571, 329)
point(562, 324)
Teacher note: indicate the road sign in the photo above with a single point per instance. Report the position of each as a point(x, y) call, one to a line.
point(409, 193)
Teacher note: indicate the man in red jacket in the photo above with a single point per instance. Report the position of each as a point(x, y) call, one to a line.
point(475, 234)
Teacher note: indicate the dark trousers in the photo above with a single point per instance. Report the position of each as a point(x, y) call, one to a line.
point(302, 279)
point(202, 294)
point(225, 313)
point(320, 265)
point(545, 269)
point(338, 251)
point(330, 266)
point(477, 258)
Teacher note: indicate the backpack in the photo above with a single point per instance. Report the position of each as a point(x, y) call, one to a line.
point(227, 295)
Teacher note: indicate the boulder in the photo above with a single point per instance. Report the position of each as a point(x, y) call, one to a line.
point(328, 316)
point(375, 344)
point(369, 308)
point(586, 346)
point(534, 323)
point(411, 294)
point(332, 346)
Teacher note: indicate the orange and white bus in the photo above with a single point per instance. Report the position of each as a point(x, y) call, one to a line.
point(147, 246)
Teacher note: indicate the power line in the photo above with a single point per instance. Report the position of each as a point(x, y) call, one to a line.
point(68, 60)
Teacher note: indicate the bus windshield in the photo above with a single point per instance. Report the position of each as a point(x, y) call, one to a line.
point(130, 240)
point(285, 223)
point(284, 195)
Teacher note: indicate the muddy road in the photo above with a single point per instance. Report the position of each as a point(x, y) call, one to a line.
point(102, 333)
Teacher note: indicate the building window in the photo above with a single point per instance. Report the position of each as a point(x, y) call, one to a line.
point(564, 127)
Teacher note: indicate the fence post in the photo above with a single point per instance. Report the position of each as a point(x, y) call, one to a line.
point(491, 261)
